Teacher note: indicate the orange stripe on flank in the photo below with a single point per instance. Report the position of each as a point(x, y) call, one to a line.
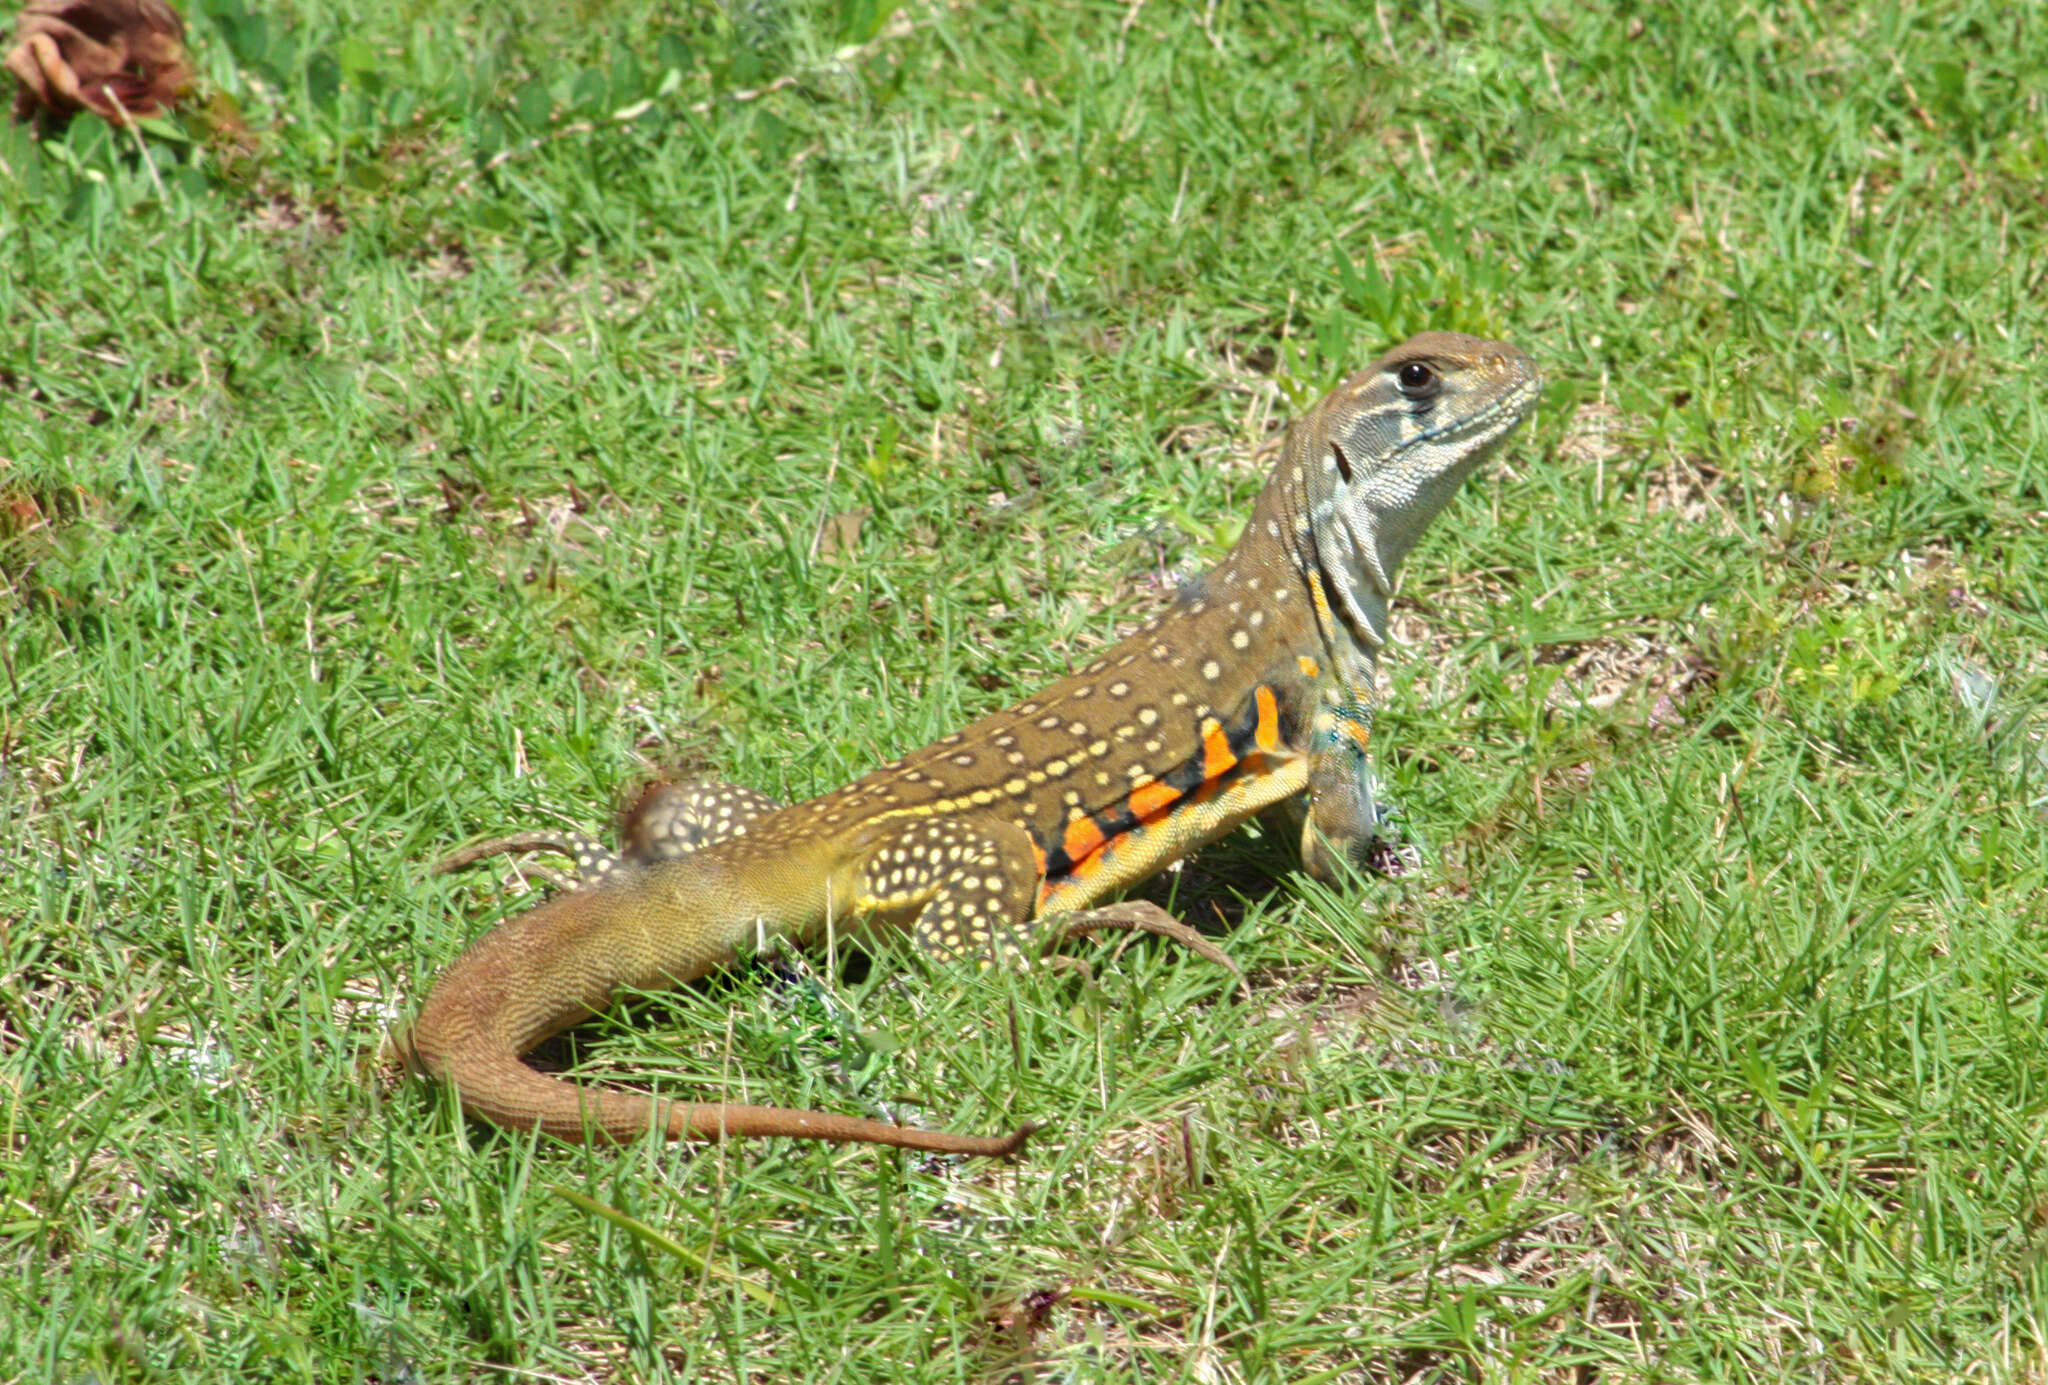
point(1083, 838)
point(1148, 801)
point(1266, 735)
point(1038, 855)
point(1217, 756)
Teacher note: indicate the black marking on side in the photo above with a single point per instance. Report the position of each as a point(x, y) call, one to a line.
point(1184, 778)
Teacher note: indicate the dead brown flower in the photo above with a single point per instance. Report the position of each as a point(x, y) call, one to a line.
point(120, 59)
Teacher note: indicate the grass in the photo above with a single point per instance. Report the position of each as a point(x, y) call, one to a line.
point(473, 411)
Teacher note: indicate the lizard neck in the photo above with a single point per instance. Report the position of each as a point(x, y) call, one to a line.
point(1345, 592)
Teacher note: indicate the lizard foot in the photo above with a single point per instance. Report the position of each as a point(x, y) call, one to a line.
point(592, 860)
point(1142, 916)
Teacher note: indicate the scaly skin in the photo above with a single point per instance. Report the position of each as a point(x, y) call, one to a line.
point(1255, 688)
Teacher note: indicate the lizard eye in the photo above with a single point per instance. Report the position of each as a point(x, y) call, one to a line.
point(1418, 381)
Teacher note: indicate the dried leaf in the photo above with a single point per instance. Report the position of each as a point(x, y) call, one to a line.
point(839, 536)
point(19, 514)
point(120, 59)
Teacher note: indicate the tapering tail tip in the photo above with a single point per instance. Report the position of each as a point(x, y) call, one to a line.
point(1003, 1146)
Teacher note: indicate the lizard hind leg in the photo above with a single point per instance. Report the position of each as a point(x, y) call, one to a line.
point(671, 820)
point(593, 859)
point(667, 821)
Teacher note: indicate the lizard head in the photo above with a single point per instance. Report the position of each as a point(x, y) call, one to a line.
point(1389, 447)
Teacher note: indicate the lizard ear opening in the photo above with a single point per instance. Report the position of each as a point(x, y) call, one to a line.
point(1343, 462)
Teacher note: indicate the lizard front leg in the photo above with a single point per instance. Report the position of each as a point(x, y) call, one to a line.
point(1340, 818)
point(967, 890)
point(974, 890)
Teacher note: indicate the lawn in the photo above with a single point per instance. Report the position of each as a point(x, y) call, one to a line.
point(461, 415)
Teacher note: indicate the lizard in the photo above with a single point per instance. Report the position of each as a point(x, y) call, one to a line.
point(1253, 689)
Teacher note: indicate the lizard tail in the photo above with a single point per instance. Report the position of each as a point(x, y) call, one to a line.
point(560, 964)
